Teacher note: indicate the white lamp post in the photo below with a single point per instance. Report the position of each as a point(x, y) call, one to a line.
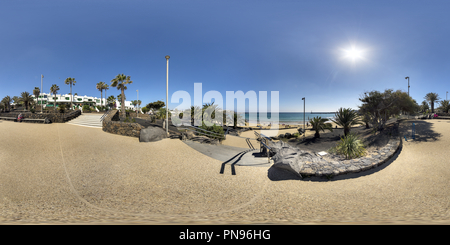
point(304, 128)
point(42, 76)
point(167, 95)
point(137, 111)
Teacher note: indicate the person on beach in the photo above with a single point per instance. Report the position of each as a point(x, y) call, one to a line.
point(20, 117)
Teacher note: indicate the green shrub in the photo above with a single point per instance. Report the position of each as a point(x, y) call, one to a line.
point(86, 108)
point(216, 129)
point(350, 146)
point(145, 109)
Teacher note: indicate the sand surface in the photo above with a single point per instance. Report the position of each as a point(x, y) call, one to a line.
point(60, 173)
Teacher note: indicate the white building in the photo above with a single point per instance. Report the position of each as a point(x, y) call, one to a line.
point(47, 100)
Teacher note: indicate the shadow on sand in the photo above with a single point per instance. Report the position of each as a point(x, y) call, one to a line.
point(424, 131)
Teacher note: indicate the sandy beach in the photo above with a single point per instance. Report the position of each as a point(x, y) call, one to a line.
point(60, 173)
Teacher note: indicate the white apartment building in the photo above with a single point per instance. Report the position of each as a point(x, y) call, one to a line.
point(47, 100)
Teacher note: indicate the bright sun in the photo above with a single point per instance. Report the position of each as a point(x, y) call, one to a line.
point(353, 53)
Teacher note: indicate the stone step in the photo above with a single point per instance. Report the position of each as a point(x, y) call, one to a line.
point(92, 121)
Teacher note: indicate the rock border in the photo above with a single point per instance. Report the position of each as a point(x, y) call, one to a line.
point(324, 168)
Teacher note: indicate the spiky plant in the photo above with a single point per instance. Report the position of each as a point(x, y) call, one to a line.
point(350, 146)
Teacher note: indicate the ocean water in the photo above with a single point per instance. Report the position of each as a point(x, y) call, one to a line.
point(291, 118)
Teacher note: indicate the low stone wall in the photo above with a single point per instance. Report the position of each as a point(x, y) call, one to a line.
point(111, 124)
point(53, 117)
point(322, 167)
point(140, 115)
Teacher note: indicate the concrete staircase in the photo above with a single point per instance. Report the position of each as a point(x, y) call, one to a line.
point(87, 120)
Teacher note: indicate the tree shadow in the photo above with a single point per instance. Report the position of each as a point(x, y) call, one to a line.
point(423, 131)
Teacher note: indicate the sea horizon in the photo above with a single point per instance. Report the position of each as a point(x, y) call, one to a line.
point(290, 118)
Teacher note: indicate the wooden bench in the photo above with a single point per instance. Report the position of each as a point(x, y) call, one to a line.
point(8, 118)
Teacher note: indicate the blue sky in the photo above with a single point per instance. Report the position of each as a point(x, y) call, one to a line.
point(294, 47)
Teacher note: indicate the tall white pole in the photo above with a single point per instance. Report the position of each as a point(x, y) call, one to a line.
point(137, 111)
point(42, 76)
point(304, 128)
point(167, 96)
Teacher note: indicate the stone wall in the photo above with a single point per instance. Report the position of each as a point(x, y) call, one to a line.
point(111, 124)
point(53, 117)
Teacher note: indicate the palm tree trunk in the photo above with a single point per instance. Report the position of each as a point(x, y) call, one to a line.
point(101, 96)
point(123, 103)
point(71, 95)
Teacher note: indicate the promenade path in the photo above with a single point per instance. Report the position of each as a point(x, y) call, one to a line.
point(62, 173)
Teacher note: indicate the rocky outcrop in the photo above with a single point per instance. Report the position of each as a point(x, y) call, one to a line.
point(152, 134)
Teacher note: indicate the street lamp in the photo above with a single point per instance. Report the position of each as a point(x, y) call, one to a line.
point(167, 95)
point(42, 76)
point(408, 84)
point(304, 128)
point(446, 95)
point(137, 111)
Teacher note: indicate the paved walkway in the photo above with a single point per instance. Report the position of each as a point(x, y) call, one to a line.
point(61, 173)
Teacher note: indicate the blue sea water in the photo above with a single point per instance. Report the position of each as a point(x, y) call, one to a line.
point(291, 118)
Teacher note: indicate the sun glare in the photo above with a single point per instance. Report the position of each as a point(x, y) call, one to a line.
point(353, 53)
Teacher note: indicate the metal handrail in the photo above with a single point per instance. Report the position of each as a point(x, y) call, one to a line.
point(104, 115)
point(196, 128)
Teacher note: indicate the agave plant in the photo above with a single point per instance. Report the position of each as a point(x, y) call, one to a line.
point(319, 123)
point(350, 146)
point(346, 118)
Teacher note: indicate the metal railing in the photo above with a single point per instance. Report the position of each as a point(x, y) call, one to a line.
point(104, 115)
point(205, 132)
point(263, 144)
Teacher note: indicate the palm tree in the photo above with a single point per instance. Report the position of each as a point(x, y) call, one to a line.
point(445, 106)
point(36, 92)
point(319, 123)
point(110, 101)
point(7, 102)
point(346, 118)
point(53, 90)
point(432, 97)
point(105, 87)
point(17, 102)
point(120, 81)
point(70, 81)
point(26, 99)
point(424, 107)
point(100, 87)
point(138, 103)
